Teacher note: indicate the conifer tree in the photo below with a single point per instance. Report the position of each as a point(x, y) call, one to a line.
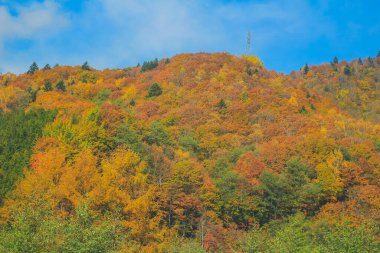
point(33, 68)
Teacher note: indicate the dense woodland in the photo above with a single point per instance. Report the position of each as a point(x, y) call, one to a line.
point(196, 153)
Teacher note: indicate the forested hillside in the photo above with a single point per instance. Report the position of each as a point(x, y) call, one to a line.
point(196, 153)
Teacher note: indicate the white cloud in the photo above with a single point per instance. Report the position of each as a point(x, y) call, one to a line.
point(36, 21)
point(116, 33)
point(31, 20)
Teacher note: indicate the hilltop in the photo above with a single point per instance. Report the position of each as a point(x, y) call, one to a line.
point(197, 152)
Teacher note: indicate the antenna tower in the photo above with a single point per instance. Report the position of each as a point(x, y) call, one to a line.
point(248, 46)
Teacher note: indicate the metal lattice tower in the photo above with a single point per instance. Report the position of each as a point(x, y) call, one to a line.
point(248, 46)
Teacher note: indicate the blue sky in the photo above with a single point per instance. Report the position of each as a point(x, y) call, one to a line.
point(286, 34)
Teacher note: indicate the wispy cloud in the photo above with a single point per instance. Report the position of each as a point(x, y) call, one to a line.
point(118, 33)
point(34, 22)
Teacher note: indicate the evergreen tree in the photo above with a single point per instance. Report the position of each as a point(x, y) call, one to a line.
point(334, 64)
point(85, 66)
point(48, 86)
point(47, 67)
point(221, 104)
point(60, 86)
point(132, 102)
point(148, 65)
point(248, 69)
point(370, 62)
point(347, 70)
point(154, 90)
point(306, 69)
point(33, 68)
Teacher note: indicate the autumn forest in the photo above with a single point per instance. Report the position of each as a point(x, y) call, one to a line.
point(205, 152)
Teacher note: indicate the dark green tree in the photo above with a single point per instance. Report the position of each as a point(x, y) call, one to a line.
point(347, 70)
point(370, 62)
point(33, 68)
point(32, 93)
point(285, 194)
point(18, 133)
point(157, 134)
point(132, 102)
point(60, 85)
point(221, 104)
point(149, 65)
point(306, 69)
point(334, 64)
point(154, 90)
point(47, 67)
point(85, 66)
point(248, 69)
point(48, 86)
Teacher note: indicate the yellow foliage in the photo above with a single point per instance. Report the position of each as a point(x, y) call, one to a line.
point(328, 175)
point(130, 92)
point(343, 93)
point(293, 101)
point(182, 154)
point(9, 96)
point(254, 59)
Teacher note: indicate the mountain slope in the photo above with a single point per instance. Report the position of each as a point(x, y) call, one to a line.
point(197, 150)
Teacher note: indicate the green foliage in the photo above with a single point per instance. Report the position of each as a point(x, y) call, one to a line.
point(295, 236)
point(102, 96)
point(154, 90)
point(32, 93)
point(132, 102)
point(86, 66)
point(185, 246)
point(188, 143)
point(234, 204)
point(306, 69)
point(235, 154)
point(88, 77)
point(346, 238)
point(285, 194)
point(128, 136)
point(149, 65)
point(60, 85)
point(303, 110)
point(221, 104)
point(48, 86)
point(157, 134)
point(376, 143)
point(46, 67)
point(87, 133)
point(347, 70)
point(334, 64)
point(33, 68)
point(298, 234)
point(18, 133)
point(38, 231)
point(248, 69)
